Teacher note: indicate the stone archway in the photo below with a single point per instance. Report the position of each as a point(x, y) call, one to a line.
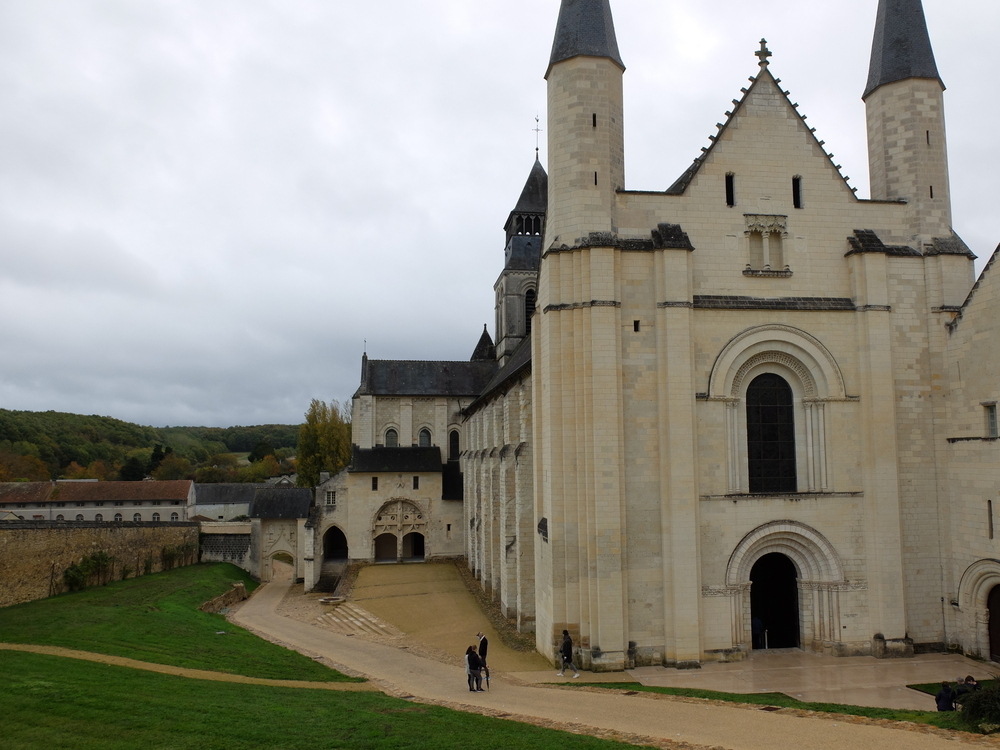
point(335, 544)
point(816, 570)
point(399, 519)
point(979, 633)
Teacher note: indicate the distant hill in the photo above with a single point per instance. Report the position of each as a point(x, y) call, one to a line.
point(59, 439)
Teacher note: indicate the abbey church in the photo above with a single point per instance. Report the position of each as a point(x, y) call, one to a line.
point(751, 411)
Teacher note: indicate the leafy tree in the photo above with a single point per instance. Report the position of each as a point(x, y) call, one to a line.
point(260, 451)
point(134, 470)
point(324, 441)
point(156, 459)
point(14, 468)
point(173, 467)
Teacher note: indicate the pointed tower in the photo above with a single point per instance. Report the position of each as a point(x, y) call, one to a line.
point(586, 140)
point(576, 347)
point(517, 287)
point(907, 150)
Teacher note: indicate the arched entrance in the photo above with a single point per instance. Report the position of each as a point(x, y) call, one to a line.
point(334, 545)
point(774, 602)
point(385, 548)
point(993, 607)
point(413, 546)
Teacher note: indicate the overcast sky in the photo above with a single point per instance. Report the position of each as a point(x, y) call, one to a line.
point(207, 206)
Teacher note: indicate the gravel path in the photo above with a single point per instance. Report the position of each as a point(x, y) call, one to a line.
point(662, 721)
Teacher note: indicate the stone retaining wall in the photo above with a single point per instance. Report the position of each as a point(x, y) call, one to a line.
point(34, 554)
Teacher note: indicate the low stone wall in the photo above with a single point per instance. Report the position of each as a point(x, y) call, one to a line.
point(237, 593)
point(34, 554)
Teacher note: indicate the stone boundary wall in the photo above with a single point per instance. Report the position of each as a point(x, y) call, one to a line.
point(237, 593)
point(34, 554)
point(230, 548)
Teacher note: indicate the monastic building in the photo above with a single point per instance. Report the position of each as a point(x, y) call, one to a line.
point(749, 411)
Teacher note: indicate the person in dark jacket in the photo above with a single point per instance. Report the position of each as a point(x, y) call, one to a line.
point(484, 645)
point(474, 670)
point(945, 699)
point(566, 652)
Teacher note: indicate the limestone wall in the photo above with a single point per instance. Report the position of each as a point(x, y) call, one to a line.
point(34, 554)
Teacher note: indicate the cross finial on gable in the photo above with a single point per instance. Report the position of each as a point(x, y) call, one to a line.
point(763, 53)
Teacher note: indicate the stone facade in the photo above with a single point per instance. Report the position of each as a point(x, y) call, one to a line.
point(34, 554)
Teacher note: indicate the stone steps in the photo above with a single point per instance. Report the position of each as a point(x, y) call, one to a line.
point(350, 619)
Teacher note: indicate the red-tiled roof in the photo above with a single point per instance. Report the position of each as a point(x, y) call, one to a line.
point(79, 492)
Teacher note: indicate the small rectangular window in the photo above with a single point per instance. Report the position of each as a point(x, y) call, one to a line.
point(595, 119)
point(635, 326)
point(374, 484)
point(595, 178)
point(991, 421)
point(331, 497)
point(416, 483)
point(730, 190)
point(448, 531)
point(989, 511)
point(932, 192)
point(797, 192)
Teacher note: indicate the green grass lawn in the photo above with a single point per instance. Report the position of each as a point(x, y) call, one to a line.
point(156, 618)
point(943, 720)
point(54, 703)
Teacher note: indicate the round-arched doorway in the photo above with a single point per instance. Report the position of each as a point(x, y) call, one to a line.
point(334, 544)
point(385, 548)
point(774, 602)
point(413, 546)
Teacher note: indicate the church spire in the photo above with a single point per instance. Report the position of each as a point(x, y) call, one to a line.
point(902, 46)
point(585, 27)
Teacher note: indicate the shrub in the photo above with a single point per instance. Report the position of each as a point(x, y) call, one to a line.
point(981, 709)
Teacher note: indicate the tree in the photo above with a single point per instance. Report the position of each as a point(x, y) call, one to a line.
point(260, 451)
point(324, 441)
point(156, 459)
point(134, 470)
point(172, 467)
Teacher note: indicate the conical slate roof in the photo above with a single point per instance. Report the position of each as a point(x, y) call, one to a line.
point(485, 351)
point(902, 46)
point(535, 195)
point(585, 27)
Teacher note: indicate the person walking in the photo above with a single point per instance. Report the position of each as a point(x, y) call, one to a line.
point(474, 670)
point(566, 652)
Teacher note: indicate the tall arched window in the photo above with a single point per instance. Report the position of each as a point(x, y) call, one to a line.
point(529, 309)
point(118, 516)
point(156, 517)
point(60, 517)
point(174, 517)
point(770, 435)
point(137, 517)
point(391, 438)
point(79, 516)
point(99, 517)
point(453, 446)
point(425, 438)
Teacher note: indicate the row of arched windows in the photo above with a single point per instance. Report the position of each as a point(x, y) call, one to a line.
point(424, 441)
point(118, 517)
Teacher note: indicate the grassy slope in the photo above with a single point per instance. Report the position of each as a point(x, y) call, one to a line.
point(155, 618)
point(943, 720)
point(54, 703)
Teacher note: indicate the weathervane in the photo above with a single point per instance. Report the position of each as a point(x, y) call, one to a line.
point(763, 53)
point(537, 130)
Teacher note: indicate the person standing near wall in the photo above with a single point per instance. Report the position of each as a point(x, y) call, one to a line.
point(566, 651)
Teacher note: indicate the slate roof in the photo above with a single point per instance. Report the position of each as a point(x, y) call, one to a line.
point(408, 460)
point(902, 47)
point(224, 493)
point(519, 359)
point(535, 194)
point(278, 502)
point(25, 492)
point(394, 377)
point(177, 489)
point(585, 27)
point(484, 351)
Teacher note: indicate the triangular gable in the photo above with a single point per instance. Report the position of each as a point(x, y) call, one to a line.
point(739, 110)
point(986, 277)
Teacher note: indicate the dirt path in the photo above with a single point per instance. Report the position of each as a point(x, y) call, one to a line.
point(196, 674)
point(662, 721)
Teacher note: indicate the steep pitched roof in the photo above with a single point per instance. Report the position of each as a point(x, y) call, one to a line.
point(535, 194)
point(520, 359)
point(391, 377)
point(585, 27)
point(278, 502)
point(902, 47)
point(484, 351)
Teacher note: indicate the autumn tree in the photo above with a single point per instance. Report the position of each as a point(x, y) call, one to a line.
point(172, 467)
point(324, 441)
